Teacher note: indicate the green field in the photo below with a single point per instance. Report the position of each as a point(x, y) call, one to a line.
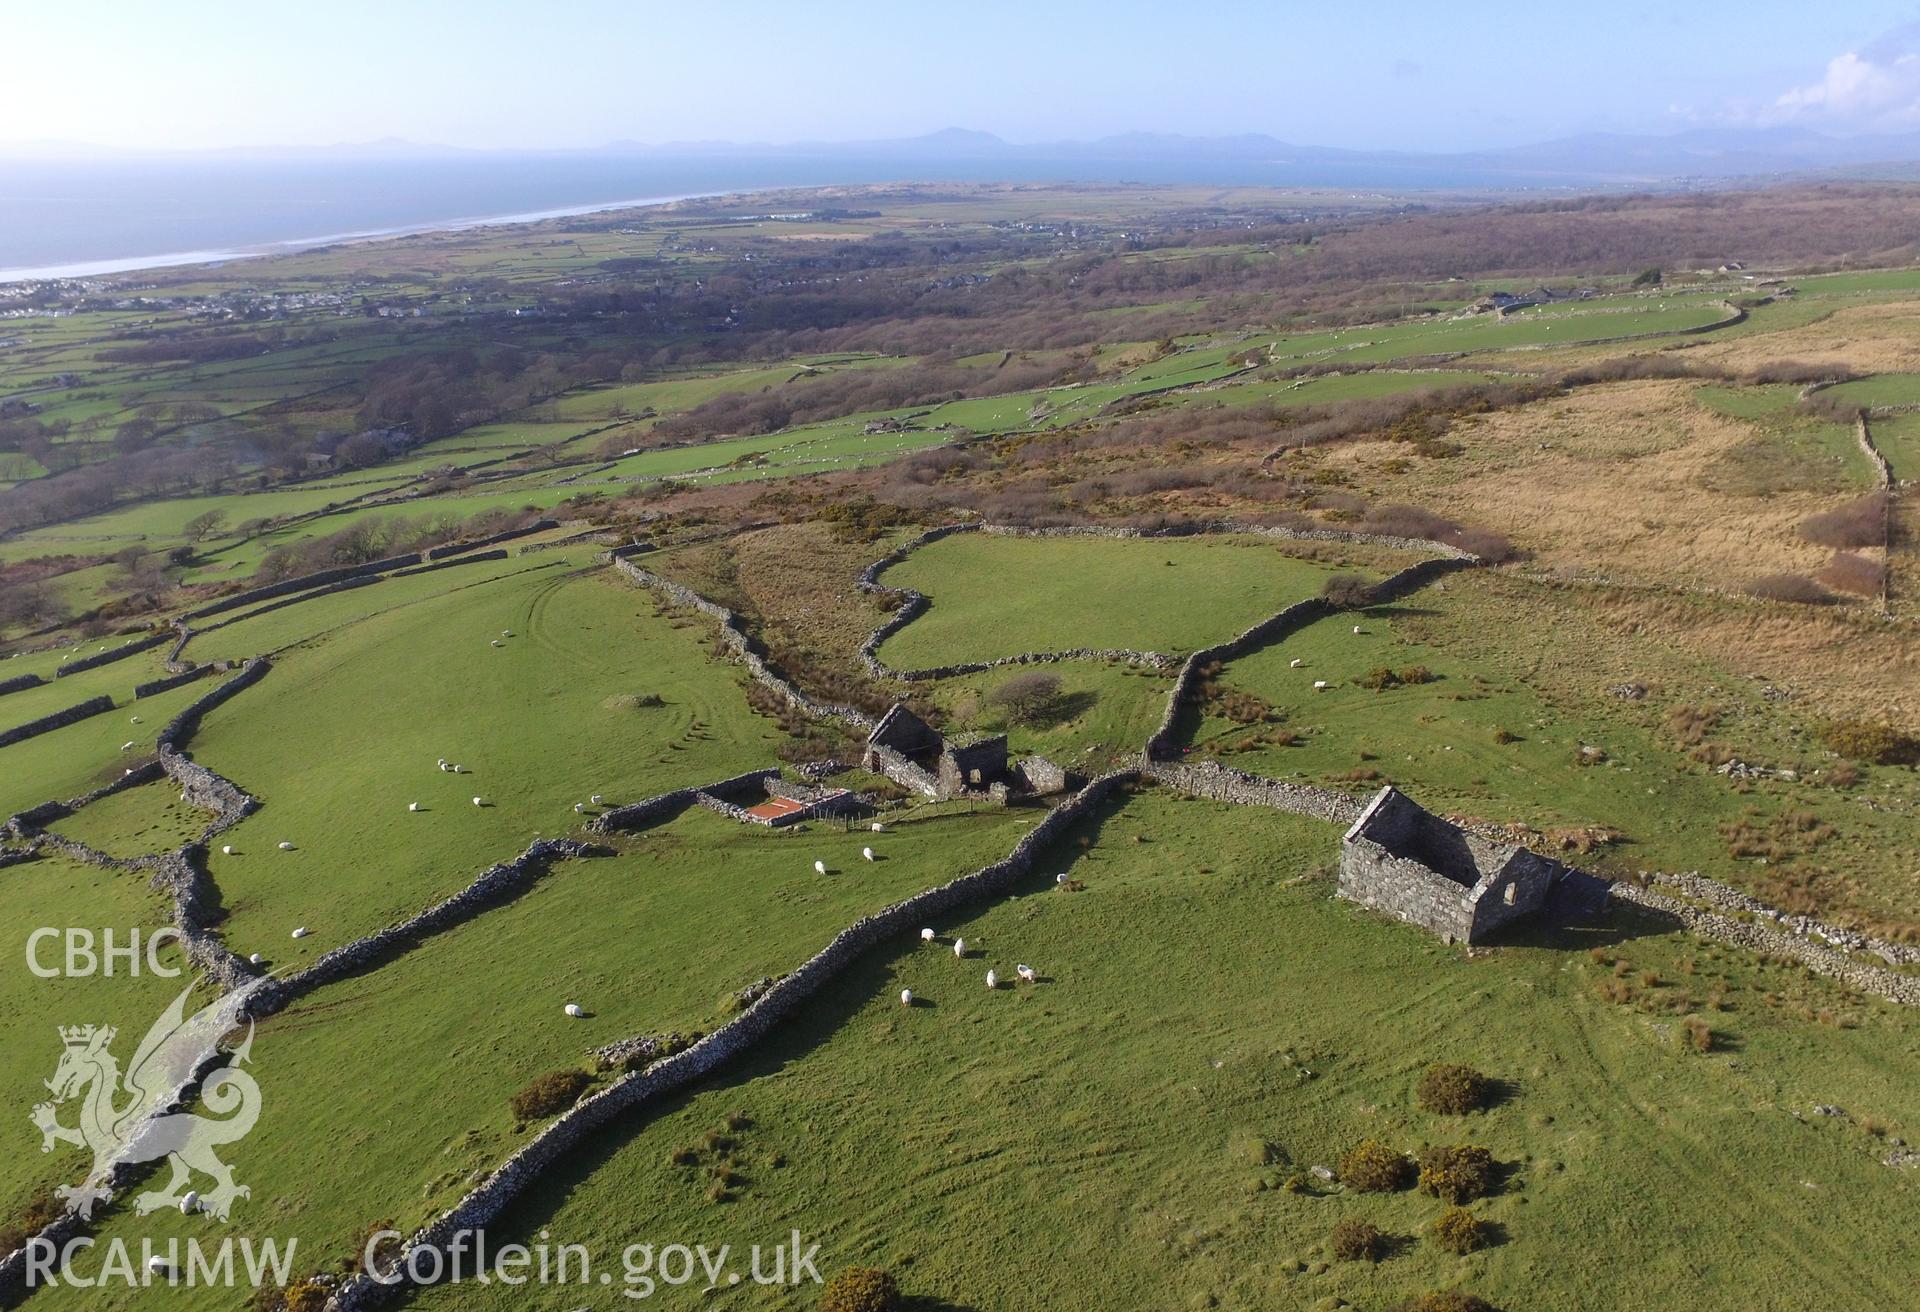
point(1197, 1016)
point(998, 596)
point(1895, 391)
point(383, 1094)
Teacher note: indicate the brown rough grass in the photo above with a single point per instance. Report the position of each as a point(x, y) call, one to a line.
point(1611, 481)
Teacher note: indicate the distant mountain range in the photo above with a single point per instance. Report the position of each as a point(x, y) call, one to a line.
point(1705, 154)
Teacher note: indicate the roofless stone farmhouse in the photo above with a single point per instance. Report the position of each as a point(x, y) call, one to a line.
point(1402, 859)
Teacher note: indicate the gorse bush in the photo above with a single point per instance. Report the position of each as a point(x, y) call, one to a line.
point(1347, 591)
point(1458, 1175)
point(1453, 1090)
point(1372, 1167)
point(861, 1289)
point(1458, 1231)
point(1354, 1240)
point(1847, 572)
point(550, 1095)
point(1872, 742)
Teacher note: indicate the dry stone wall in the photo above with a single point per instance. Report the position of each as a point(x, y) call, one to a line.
point(734, 634)
point(319, 578)
point(172, 681)
point(20, 683)
point(119, 653)
point(1222, 783)
point(1830, 962)
point(654, 810)
point(895, 924)
point(498, 884)
point(58, 720)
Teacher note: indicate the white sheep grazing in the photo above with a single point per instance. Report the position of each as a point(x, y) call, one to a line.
point(879, 828)
point(459, 769)
point(226, 849)
point(1297, 663)
point(867, 852)
point(126, 747)
point(443, 763)
point(598, 799)
point(579, 808)
point(302, 932)
point(135, 720)
point(959, 947)
point(498, 643)
point(189, 1202)
point(506, 633)
point(1025, 973)
point(574, 1010)
point(445, 767)
point(479, 801)
point(1319, 685)
point(926, 936)
point(1356, 628)
point(286, 847)
point(254, 959)
point(1061, 879)
point(906, 997)
point(413, 806)
point(993, 980)
point(159, 1265)
point(819, 867)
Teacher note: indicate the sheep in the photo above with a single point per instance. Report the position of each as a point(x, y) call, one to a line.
point(1356, 628)
point(993, 980)
point(498, 643)
point(189, 1202)
point(819, 867)
point(479, 801)
point(1320, 685)
point(159, 1266)
point(1025, 973)
point(226, 849)
point(254, 959)
point(459, 769)
point(598, 799)
point(867, 854)
point(302, 932)
point(445, 768)
point(879, 828)
point(443, 763)
point(575, 1010)
point(959, 947)
point(579, 808)
point(906, 997)
point(286, 847)
point(506, 633)
point(126, 747)
point(926, 936)
point(1297, 663)
point(135, 720)
point(413, 806)
point(1061, 879)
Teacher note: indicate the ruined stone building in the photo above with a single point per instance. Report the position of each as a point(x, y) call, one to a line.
point(1402, 859)
point(909, 751)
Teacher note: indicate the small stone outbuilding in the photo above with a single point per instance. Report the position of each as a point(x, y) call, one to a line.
point(1404, 860)
point(909, 751)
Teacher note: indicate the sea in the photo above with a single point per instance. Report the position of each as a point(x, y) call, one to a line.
point(81, 218)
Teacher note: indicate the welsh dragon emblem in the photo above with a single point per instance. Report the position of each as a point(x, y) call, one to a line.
point(123, 1117)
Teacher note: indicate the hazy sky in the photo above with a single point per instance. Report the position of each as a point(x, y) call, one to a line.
point(1412, 73)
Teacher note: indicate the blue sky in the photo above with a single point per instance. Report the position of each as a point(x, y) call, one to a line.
point(484, 73)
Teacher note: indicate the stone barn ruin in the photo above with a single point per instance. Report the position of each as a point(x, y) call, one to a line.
point(909, 751)
point(1402, 859)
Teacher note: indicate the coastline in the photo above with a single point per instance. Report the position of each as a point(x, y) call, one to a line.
point(181, 259)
